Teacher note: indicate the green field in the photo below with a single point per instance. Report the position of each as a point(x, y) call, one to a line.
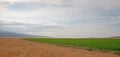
point(91, 44)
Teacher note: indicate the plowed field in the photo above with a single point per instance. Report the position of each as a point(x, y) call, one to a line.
point(23, 48)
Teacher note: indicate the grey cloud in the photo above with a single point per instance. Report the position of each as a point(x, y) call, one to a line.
point(34, 5)
point(68, 17)
point(30, 27)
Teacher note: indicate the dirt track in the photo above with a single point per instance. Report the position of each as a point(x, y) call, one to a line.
point(22, 48)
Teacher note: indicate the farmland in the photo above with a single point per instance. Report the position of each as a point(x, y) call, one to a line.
point(90, 44)
point(17, 47)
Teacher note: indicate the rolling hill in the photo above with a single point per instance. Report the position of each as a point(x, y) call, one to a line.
point(4, 33)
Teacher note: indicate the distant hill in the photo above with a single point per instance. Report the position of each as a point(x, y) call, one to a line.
point(114, 37)
point(4, 33)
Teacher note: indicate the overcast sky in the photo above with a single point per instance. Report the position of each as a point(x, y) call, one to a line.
point(61, 18)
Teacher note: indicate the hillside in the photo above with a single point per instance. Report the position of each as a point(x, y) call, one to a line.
point(4, 33)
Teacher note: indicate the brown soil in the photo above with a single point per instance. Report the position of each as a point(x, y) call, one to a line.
point(23, 48)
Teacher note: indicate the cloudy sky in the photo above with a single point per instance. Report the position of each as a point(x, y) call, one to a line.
point(61, 18)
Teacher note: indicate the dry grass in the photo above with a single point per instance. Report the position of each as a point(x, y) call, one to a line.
point(22, 48)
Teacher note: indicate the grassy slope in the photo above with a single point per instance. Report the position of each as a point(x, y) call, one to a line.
point(100, 44)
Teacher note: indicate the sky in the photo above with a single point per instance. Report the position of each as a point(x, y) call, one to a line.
point(61, 18)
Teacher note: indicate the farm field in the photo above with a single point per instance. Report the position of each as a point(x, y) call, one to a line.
point(18, 47)
point(91, 44)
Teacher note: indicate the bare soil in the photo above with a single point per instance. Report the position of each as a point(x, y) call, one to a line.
point(22, 48)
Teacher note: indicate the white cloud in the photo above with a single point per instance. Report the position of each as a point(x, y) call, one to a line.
point(15, 0)
point(105, 4)
point(80, 18)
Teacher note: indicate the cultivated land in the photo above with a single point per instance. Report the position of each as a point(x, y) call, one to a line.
point(23, 48)
point(102, 44)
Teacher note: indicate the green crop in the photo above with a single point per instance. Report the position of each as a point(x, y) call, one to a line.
point(97, 44)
